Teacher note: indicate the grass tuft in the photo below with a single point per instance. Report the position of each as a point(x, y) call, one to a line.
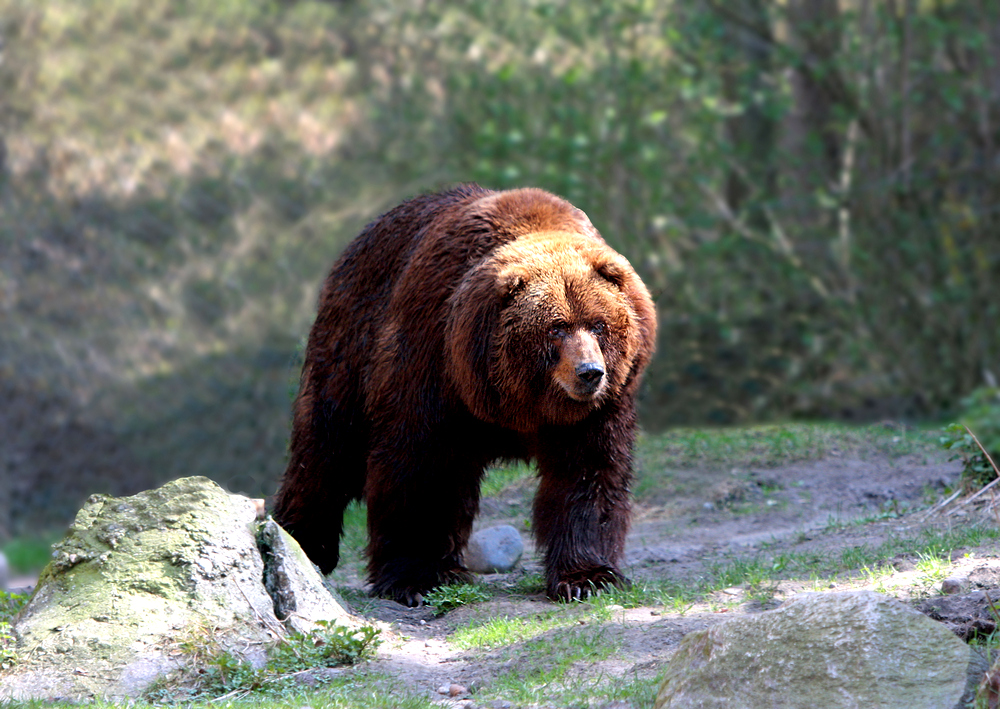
point(447, 598)
point(215, 671)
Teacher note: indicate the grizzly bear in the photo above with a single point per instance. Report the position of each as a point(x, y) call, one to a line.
point(459, 329)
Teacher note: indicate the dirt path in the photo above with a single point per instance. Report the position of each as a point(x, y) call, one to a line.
point(697, 522)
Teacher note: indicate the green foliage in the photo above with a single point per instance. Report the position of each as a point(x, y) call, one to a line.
point(981, 418)
point(28, 554)
point(8, 652)
point(447, 598)
point(816, 231)
point(216, 670)
point(329, 645)
point(10, 604)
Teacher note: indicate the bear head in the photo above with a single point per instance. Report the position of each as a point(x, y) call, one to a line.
point(547, 328)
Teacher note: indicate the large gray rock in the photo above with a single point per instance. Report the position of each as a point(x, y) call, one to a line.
point(4, 573)
point(134, 577)
point(831, 650)
point(493, 550)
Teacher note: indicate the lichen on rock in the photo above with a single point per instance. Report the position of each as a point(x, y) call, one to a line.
point(133, 577)
point(851, 649)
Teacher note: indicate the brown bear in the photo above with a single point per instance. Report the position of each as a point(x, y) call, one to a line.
point(459, 329)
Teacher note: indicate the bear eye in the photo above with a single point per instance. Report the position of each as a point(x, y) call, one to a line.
point(557, 332)
point(598, 328)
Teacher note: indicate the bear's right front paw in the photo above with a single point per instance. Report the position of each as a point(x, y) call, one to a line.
point(581, 585)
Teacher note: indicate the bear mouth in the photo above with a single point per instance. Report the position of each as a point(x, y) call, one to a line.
point(589, 381)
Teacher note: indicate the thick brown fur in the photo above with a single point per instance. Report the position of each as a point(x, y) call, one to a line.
point(458, 329)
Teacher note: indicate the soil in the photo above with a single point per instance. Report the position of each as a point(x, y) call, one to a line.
point(706, 518)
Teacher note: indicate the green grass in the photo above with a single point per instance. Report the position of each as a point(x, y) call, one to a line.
point(502, 477)
point(447, 598)
point(215, 671)
point(540, 667)
point(504, 630)
point(931, 548)
point(357, 690)
point(541, 651)
point(777, 444)
point(741, 448)
point(759, 575)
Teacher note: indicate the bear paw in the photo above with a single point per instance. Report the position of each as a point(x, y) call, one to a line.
point(410, 592)
point(582, 584)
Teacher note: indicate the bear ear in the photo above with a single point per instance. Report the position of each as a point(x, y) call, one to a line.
point(510, 285)
point(613, 272)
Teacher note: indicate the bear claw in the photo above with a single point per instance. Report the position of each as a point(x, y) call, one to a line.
point(581, 585)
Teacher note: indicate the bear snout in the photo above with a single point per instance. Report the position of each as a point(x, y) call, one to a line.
point(581, 370)
point(590, 373)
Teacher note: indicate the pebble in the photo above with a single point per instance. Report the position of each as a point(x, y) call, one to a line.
point(953, 585)
point(452, 690)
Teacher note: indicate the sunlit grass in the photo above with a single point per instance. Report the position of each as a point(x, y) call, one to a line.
point(932, 568)
point(776, 444)
point(540, 670)
point(500, 477)
point(879, 577)
point(741, 448)
point(504, 630)
point(354, 690)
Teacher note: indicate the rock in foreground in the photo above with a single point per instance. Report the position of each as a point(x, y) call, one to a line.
point(135, 577)
point(831, 650)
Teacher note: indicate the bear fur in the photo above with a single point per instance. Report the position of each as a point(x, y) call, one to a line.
point(459, 329)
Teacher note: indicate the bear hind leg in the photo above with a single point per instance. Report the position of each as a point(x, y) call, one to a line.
point(325, 473)
point(418, 526)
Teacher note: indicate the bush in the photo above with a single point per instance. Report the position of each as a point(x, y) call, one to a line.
point(981, 417)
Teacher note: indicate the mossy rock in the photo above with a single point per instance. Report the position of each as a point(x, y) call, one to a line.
point(137, 579)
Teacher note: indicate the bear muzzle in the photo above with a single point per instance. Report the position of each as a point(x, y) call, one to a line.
point(590, 374)
point(581, 369)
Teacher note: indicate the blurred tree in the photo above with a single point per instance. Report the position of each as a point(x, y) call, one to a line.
point(809, 187)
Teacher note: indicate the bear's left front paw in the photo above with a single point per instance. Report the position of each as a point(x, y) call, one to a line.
point(582, 584)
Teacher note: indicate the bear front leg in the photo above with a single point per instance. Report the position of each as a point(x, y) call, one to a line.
point(582, 508)
point(420, 513)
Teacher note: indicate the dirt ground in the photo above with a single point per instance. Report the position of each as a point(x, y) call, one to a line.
point(699, 521)
point(705, 518)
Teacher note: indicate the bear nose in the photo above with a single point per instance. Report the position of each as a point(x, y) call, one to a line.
point(590, 373)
